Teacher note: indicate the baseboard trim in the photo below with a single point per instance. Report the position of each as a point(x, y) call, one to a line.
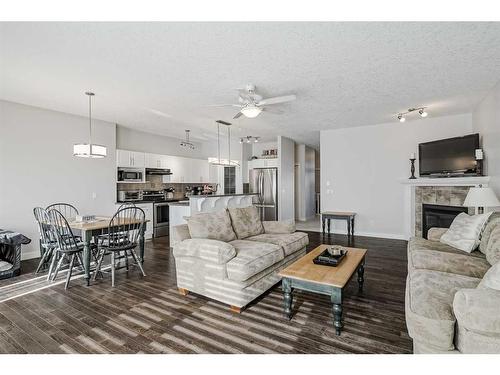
point(391, 236)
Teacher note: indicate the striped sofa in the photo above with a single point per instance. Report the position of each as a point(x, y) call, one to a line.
point(452, 302)
point(232, 256)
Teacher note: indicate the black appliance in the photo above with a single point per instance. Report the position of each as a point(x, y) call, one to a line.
point(158, 172)
point(452, 157)
point(153, 195)
point(129, 175)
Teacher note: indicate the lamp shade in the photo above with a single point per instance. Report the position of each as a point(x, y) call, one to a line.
point(481, 197)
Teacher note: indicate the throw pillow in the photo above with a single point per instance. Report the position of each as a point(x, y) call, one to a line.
point(212, 226)
point(491, 278)
point(465, 231)
point(493, 249)
point(493, 221)
point(246, 221)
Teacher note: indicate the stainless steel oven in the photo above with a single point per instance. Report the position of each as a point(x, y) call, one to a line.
point(160, 219)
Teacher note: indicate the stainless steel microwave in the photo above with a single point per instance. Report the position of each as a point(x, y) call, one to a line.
point(127, 175)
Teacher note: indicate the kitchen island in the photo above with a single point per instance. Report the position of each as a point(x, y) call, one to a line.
point(206, 203)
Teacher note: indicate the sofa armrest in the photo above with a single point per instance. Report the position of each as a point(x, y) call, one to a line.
point(477, 310)
point(210, 250)
point(279, 227)
point(434, 234)
point(179, 233)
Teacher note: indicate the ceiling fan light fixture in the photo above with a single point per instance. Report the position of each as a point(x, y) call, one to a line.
point(251, 111)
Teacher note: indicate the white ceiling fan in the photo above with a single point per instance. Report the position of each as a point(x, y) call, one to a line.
point(252, 104)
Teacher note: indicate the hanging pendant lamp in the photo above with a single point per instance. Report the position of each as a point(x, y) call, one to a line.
point(89, 150)
point(218, 160)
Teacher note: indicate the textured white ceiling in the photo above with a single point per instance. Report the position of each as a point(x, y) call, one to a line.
point(159, 77)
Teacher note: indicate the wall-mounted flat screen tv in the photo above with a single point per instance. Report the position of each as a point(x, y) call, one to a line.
point(449, 157)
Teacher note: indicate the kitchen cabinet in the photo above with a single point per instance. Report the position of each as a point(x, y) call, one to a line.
point(263, 163)
point(188, 170)
point(130, 159)
point(148, 212)
point(154, 161)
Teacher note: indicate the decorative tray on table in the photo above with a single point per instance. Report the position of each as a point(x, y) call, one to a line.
point(332, 256)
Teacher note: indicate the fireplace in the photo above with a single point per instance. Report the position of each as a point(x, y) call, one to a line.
point(436, 215)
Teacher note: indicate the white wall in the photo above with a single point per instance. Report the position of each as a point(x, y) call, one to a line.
point(131, 139)
point(361, 169)
point(286, 179)
point(486, 121)
point(37, 167)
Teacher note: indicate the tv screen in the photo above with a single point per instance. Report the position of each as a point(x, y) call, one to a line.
point(452, 156)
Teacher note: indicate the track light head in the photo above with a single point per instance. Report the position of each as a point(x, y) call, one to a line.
point(422, 113)
point(401, 118)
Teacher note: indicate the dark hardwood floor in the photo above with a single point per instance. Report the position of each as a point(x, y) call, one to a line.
point(147, 315)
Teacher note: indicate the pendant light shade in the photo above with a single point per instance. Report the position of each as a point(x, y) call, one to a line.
point(89, 150)
point(224, 162)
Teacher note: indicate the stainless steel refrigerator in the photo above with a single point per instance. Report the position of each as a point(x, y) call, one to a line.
point(264, 182)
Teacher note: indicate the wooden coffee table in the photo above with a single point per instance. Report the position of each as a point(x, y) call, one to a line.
point(303, 274)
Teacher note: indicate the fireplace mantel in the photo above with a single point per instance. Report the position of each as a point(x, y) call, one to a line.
point(447, 181)
point(413, 184)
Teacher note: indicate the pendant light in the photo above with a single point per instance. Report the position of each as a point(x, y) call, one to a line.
point(218, 160)
point(89, 150)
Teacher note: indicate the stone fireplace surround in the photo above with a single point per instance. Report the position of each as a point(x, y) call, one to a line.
point(442, 191)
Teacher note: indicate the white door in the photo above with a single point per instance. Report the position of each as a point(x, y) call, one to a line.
point(138, 159)
point(153, 160)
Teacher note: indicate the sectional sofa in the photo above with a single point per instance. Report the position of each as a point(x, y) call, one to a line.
point(452, 300)
point(232, 256)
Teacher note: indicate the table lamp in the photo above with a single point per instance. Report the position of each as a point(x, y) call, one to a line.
point(481, 197)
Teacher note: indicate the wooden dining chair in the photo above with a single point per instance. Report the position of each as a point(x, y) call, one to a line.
point(68, 246)
point(123, 234)
point(47, 241)
point(67, 210)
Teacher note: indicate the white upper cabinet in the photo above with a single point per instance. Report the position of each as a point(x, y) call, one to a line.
point(184, 170)
point(153, 160)
point(263, 163)
point(130, 159)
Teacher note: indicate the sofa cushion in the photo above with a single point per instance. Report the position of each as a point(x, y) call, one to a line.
point(493, 222)
point(465, 231)
point(429, 299)
point(460, 264)
point(209, 250)
point(246, 221)
point(419, 243)
point(251, 258)
point(290, 243)
point(493, 249)
point(491, 279)
point(211, 225)
point(279, 227)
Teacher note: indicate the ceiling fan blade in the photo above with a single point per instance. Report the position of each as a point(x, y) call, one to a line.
point(273, 110)
point(238, 115)
point(223, 105)
point(277, 100)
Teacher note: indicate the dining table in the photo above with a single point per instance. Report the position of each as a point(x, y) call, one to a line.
point(92, 229)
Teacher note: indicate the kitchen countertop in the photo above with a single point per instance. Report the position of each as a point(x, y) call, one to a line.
point(219, 195)
point(181, 203)
point(146, 201)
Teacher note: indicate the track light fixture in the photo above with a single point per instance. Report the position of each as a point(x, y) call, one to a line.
point(249, 139)
point(421, 112)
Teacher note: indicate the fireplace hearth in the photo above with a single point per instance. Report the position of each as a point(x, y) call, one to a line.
point(441, 216)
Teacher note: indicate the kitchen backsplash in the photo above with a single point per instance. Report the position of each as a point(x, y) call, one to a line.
point(156, 183)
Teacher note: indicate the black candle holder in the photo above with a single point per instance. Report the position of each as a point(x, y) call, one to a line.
point(412, 169)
